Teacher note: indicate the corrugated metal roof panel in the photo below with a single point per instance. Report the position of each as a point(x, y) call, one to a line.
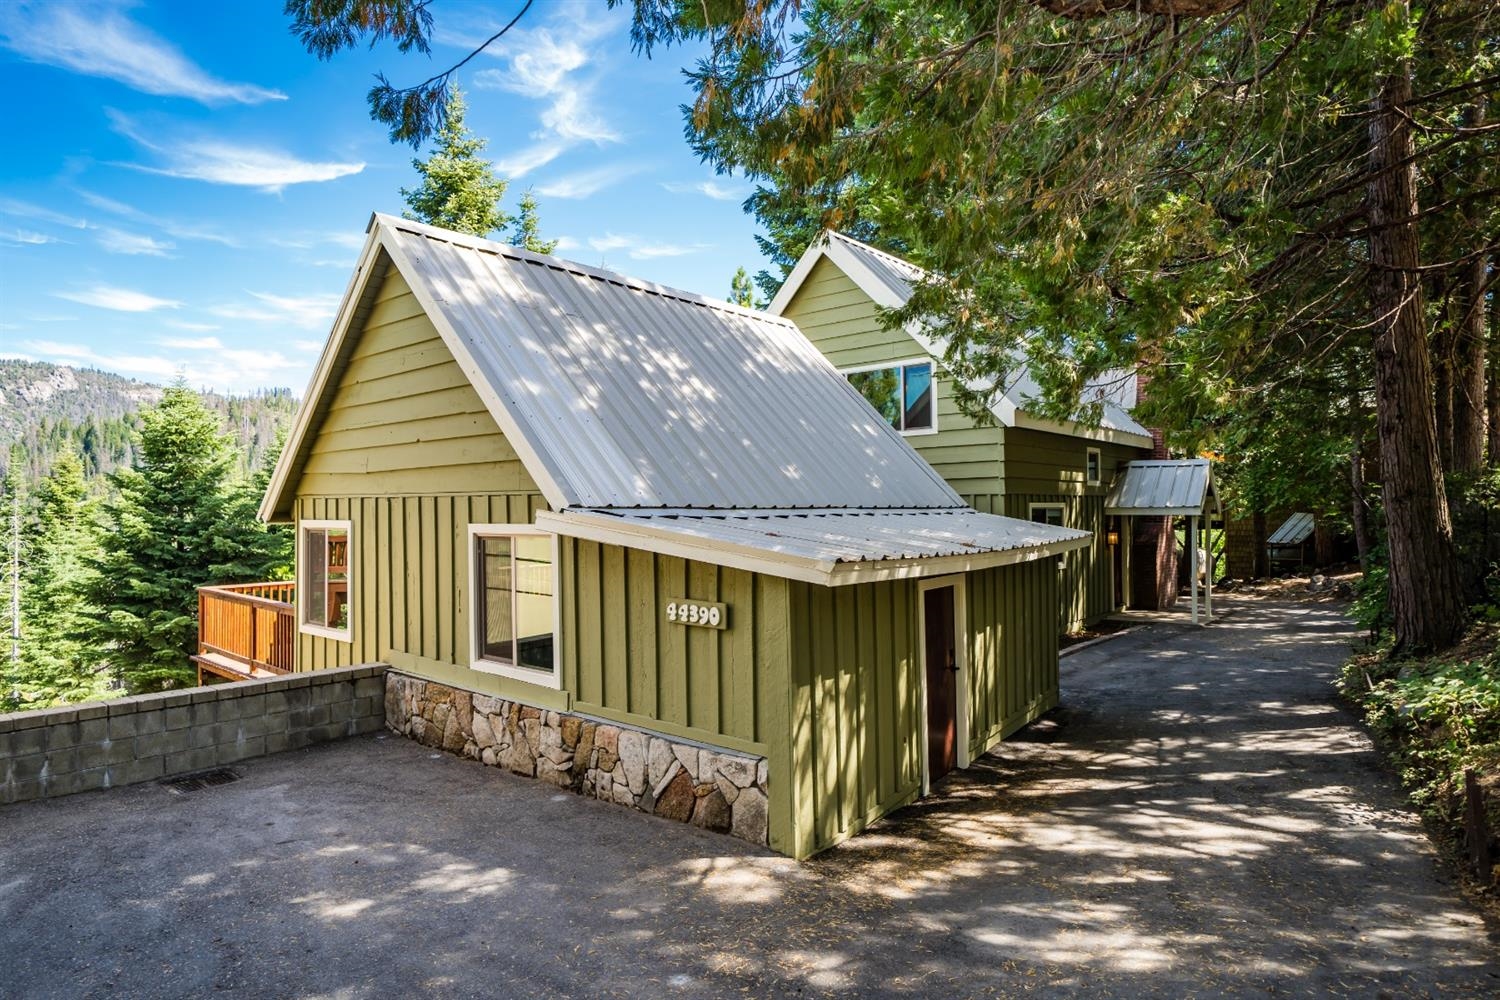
point(636, 395)
point(1169, 486)
point(1293, 531)
point(857, 536)
point(1110, 389)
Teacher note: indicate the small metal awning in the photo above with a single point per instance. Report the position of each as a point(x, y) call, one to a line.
point(1164, 487)
point(1293, 531)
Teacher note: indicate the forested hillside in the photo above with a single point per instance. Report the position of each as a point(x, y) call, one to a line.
point(53, 410)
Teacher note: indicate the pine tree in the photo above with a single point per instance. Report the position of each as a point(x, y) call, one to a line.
point(742, 290)
point(528, 232)
point(12, 511)
point(173, 527)
point(459, 189)
point(57, 664)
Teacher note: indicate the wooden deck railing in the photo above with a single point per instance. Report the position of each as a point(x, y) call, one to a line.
point(252, 624)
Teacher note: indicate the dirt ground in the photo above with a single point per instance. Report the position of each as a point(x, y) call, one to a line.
point(1200, 819)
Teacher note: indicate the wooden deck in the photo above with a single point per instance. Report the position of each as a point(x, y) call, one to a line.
point(246, 630)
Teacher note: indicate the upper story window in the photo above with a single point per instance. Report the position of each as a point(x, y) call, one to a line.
point(515, 602)
point(1094, 466)
point(323, 574)
point(904, 394)
point(1046, 513)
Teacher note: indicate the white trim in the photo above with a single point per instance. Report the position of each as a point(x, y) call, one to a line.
point(1034, 506)
point(345, 634)
point(960, 584)
point(514, 671)
point(1098, 456)
point(638, 534)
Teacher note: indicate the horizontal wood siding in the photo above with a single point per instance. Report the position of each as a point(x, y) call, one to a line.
point(855, 707)
point(402, 417)
point(1012, 651)
point(842, 322)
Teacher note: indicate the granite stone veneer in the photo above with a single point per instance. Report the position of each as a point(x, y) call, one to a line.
point(668, 777)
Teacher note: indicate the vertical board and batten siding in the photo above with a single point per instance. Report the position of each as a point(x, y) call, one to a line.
point(1013, 675)
point(842, 323)
point(856, 707)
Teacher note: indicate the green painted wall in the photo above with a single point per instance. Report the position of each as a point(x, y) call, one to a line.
point(841, 320)
point(856, 708)
point(1012, 658)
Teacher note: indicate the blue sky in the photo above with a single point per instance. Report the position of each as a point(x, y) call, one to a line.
point(183, 189)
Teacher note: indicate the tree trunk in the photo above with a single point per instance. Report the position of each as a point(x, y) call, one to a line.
point(1492, 403)
point(1468, 370)
point(1425, 597)
point(1442, 370)
point(1359, 513)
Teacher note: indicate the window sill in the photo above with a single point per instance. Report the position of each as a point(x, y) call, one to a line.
point(921, 432)
point(527, 675)
point(324, 632)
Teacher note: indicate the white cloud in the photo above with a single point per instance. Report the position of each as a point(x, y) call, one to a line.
point(179, 324)
point(193, 343)
point(711, 189)
point(307, 345)
point(26, 210)
point(118, 299)
point(25, 237)
point(219, 162)
point(572, 117)
point(97, 39)
point(639, 249)
point(586, 183)
point(224, 369)
point(566, 243)
point(119, 241)
point(172, 227)
point(523, 162)
point(308, 311)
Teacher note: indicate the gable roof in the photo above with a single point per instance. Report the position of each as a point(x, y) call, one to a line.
point(1164, 486)
point(888, 281)
point(621, 395)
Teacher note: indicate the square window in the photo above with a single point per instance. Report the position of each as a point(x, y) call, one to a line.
point(515, 609)
point(1046, 513)
point(903, 394)
point(324, 572)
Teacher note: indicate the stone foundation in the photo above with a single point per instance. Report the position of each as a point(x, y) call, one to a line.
point(710, 788)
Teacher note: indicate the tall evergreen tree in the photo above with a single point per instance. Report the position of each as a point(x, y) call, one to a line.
point(172, 528)
point(742, 291)
point(459, 189)
point(12, 510)
point(58, 665)
point(528, 232)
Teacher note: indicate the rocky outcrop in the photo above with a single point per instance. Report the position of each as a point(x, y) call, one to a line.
point(711, 788)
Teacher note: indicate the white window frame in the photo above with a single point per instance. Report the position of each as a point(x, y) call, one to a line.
point(345, 634)
point(930, 362)
point(1032, 508)
point(1098, 458)
point(477, 661)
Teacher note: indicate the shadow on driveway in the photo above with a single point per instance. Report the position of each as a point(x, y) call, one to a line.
point(1201, 819)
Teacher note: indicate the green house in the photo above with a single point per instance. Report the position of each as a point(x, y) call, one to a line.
point(648, 546)
point(1015, 463)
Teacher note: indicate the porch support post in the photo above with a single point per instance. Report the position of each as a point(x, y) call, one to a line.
point(1193, 562)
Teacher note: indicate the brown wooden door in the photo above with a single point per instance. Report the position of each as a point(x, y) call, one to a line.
point(942, 682)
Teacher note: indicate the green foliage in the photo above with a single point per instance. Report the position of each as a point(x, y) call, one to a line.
point(175, 525)
point(1436, 718)
point(57, 664)
point(459, 189)
point(742, 292)
point(528, 232)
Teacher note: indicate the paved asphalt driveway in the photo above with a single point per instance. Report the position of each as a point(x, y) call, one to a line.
point(1199, 820)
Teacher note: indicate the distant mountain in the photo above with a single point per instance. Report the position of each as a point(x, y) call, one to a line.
point(55, 409)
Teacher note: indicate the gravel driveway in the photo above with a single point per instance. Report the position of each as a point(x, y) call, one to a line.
point(1200, 819)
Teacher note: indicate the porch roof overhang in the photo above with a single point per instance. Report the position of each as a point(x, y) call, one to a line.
point(829, 547)
point(1167, 487)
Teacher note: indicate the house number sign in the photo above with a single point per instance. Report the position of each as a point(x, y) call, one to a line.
point(701, 613)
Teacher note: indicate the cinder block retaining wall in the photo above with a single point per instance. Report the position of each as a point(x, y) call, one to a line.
point(709, 787)
point(59, 751)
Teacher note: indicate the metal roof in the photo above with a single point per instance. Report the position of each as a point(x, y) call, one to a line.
point(888, 280)
point(1162, 486)
point(826, 546)
point(635, 395)
point(1293, 531)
